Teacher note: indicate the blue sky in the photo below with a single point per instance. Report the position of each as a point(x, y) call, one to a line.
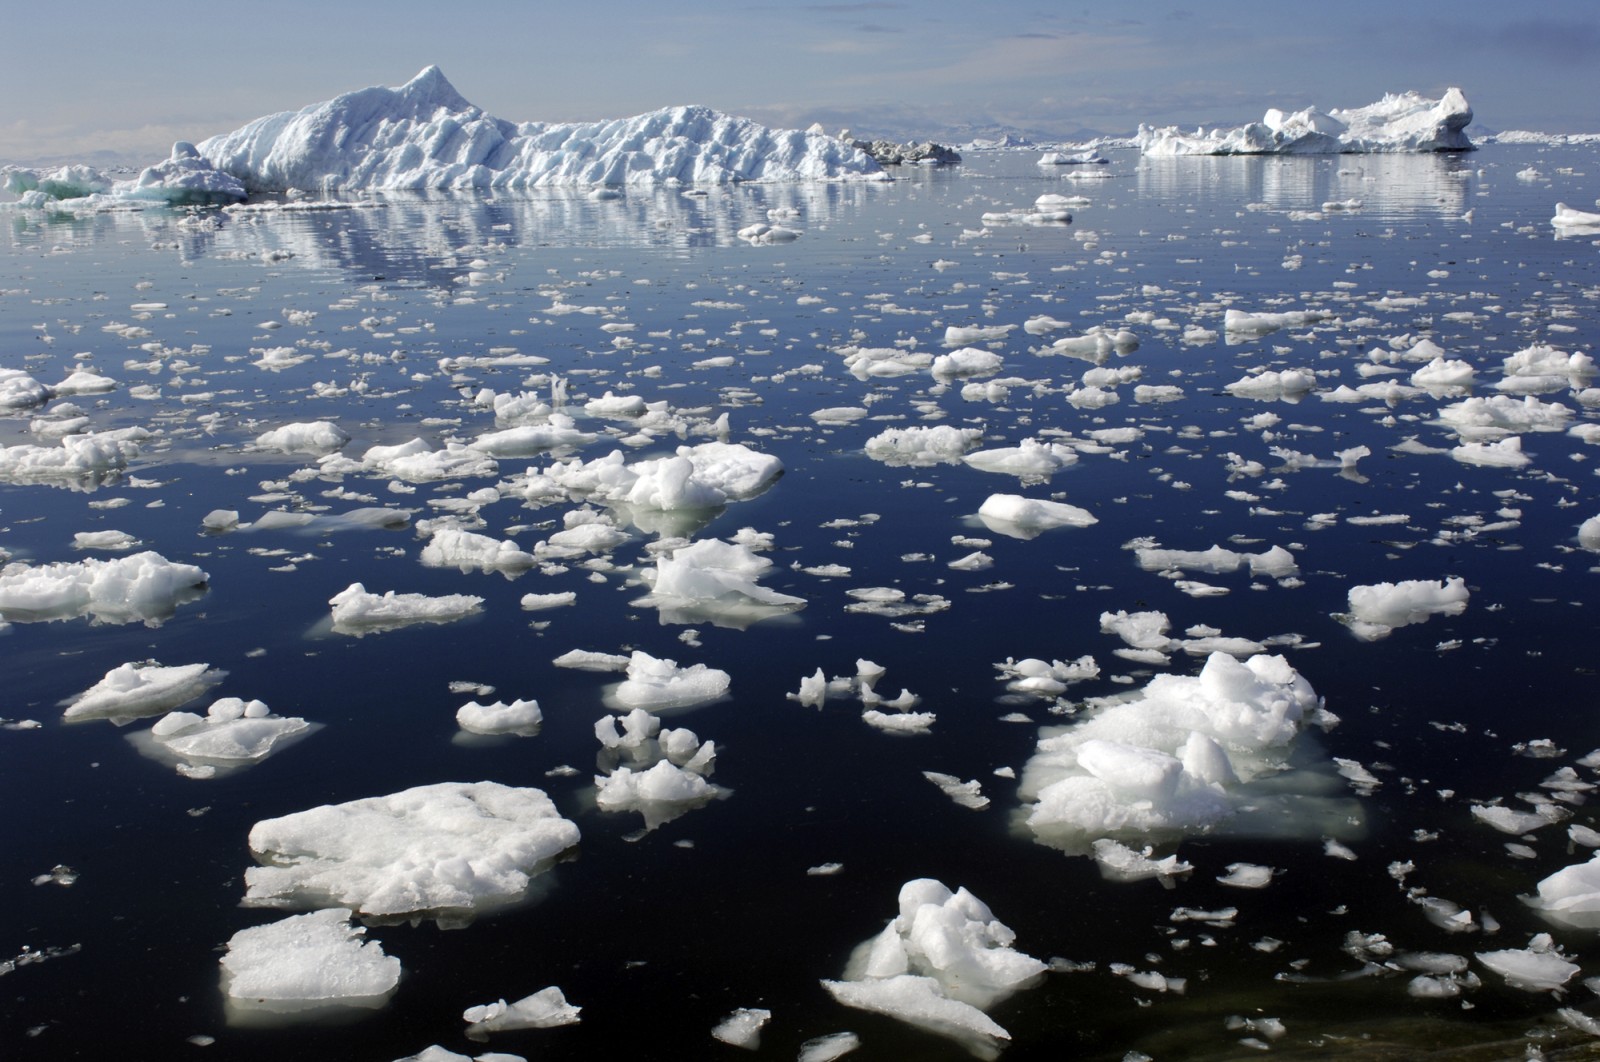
point(131, 78)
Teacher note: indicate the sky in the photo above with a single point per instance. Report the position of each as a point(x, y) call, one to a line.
point(127, 80)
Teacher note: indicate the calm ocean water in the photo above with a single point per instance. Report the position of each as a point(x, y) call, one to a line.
point(660, 936)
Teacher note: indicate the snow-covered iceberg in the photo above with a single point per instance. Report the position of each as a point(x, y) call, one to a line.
point(1404, 121)
point(425, 136)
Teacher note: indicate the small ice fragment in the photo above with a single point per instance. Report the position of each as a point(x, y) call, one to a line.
point(742, 1028)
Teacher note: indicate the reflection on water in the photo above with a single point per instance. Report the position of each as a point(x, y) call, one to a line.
point(1387, 187)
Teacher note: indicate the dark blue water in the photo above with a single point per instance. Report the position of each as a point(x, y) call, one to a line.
point(659, 941)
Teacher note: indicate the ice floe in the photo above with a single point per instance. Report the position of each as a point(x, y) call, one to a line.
point(939, 965)
point(135, 690)
point(358, 612)
point(140, 588)
point(306, 963)
point(1378, 609)
point(545, 1009)
point(447, 851)
point(233, 733)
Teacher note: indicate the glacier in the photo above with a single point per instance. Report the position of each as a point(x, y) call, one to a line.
point(423, 136)
point(1404, 121)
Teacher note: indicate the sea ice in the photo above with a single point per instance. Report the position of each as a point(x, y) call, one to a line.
point(139, 588)
point(1376, 610)
point(467, 551)
point(450, 849)
point(939, 964)
point(314, 437)
point(306, 962)
point(1540, 967)
point(545, 1009)
point(1019, 517)
point(355, 611)
point(132, 691)
point(742, 1028)
point(922, 447)
point(716, 581)
point(232, 733)
point(655, 684)
point(518, 717)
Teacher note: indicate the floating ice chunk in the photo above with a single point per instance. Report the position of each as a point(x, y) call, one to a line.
point(1240, 323)
point(434, 851)
point(1247, 876)
point(1045, 678)
point(1118, 862)
point(467, 551)
point(1398, 122)
point(233, 732)
point(1503, 453)
point(716, 581)
point(132, 691)
point(306, 962)
point(85, 459)
point(1019, 517)
point(1540, 967)
point(1167, 760)
point(416, 462)
point(18, 390)
point(1571, 895)
point(1029, 460)
point(939, 964)
point(1376, 610)
point(1276, 562)
point(499, 717)
point(1589, 534)
point(869, 363)
point(435, 1053)
point(1289, 385)
point(968, 361)
point(965, 335)
point(655, 684)
point(899, 722)
point(660, 794)
point(85, 382)
point(525, 440)
point(922, 446)
point(966, 794)
point(220, 520)
point(829, 1047)
point(1140, 630)
point(545, 1009)
point(423, 135)
point(316, 437)
point(813, 690)
point(355, 611)
point(762, 233)
point(586, 660)
point(1571, 218)
point(110, 541)
point(1509, 820)
point(1095, 345)
point(1497, 415)
point(742, 1028)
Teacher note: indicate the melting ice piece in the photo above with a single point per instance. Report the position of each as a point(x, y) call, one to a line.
point(1030, 460)
point(132, 691)
point(355, 611)
point(232, 733)
point(434, 851)
point(314, 437)
point(661, 794)
point(829, 1047)
point(1540, 967)
point(1376, 610)
point(939, 964)
point(435, 1053)
point(922, 447)
point(1572, 895)
point(1167, 761)
point(1118, 862)
point(655, 684)
point(742, 1028)
point(966, 794)
point(140, 588)
point(1019, 517)
point(545, 1009)
point(305, 963)
point(518, 717)
point(714, 581)
point(468, 551)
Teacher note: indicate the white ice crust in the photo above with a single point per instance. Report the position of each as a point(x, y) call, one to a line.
point(1398, 122)
point(424, 136)
point(453, 847)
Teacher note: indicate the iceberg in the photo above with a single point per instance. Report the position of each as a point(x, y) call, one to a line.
point(454, 848)
point(545, 1009)
point(423, 136)
point(1376, 610)
point(1404, 121)
point(232, 733)
point(715, 581)
point(132, 691)
point(358, 612)
point(182, 179)
point(654, 684)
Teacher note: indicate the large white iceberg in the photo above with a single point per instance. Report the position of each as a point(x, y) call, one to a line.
point(1399, 122)
point(454, 848)
point(425, 136)
point(715, 581)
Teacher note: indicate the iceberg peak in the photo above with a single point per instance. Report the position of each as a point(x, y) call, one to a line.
point(431, 88)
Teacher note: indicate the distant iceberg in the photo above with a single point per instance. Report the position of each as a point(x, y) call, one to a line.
point(423, 136)
point(1398, 122)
